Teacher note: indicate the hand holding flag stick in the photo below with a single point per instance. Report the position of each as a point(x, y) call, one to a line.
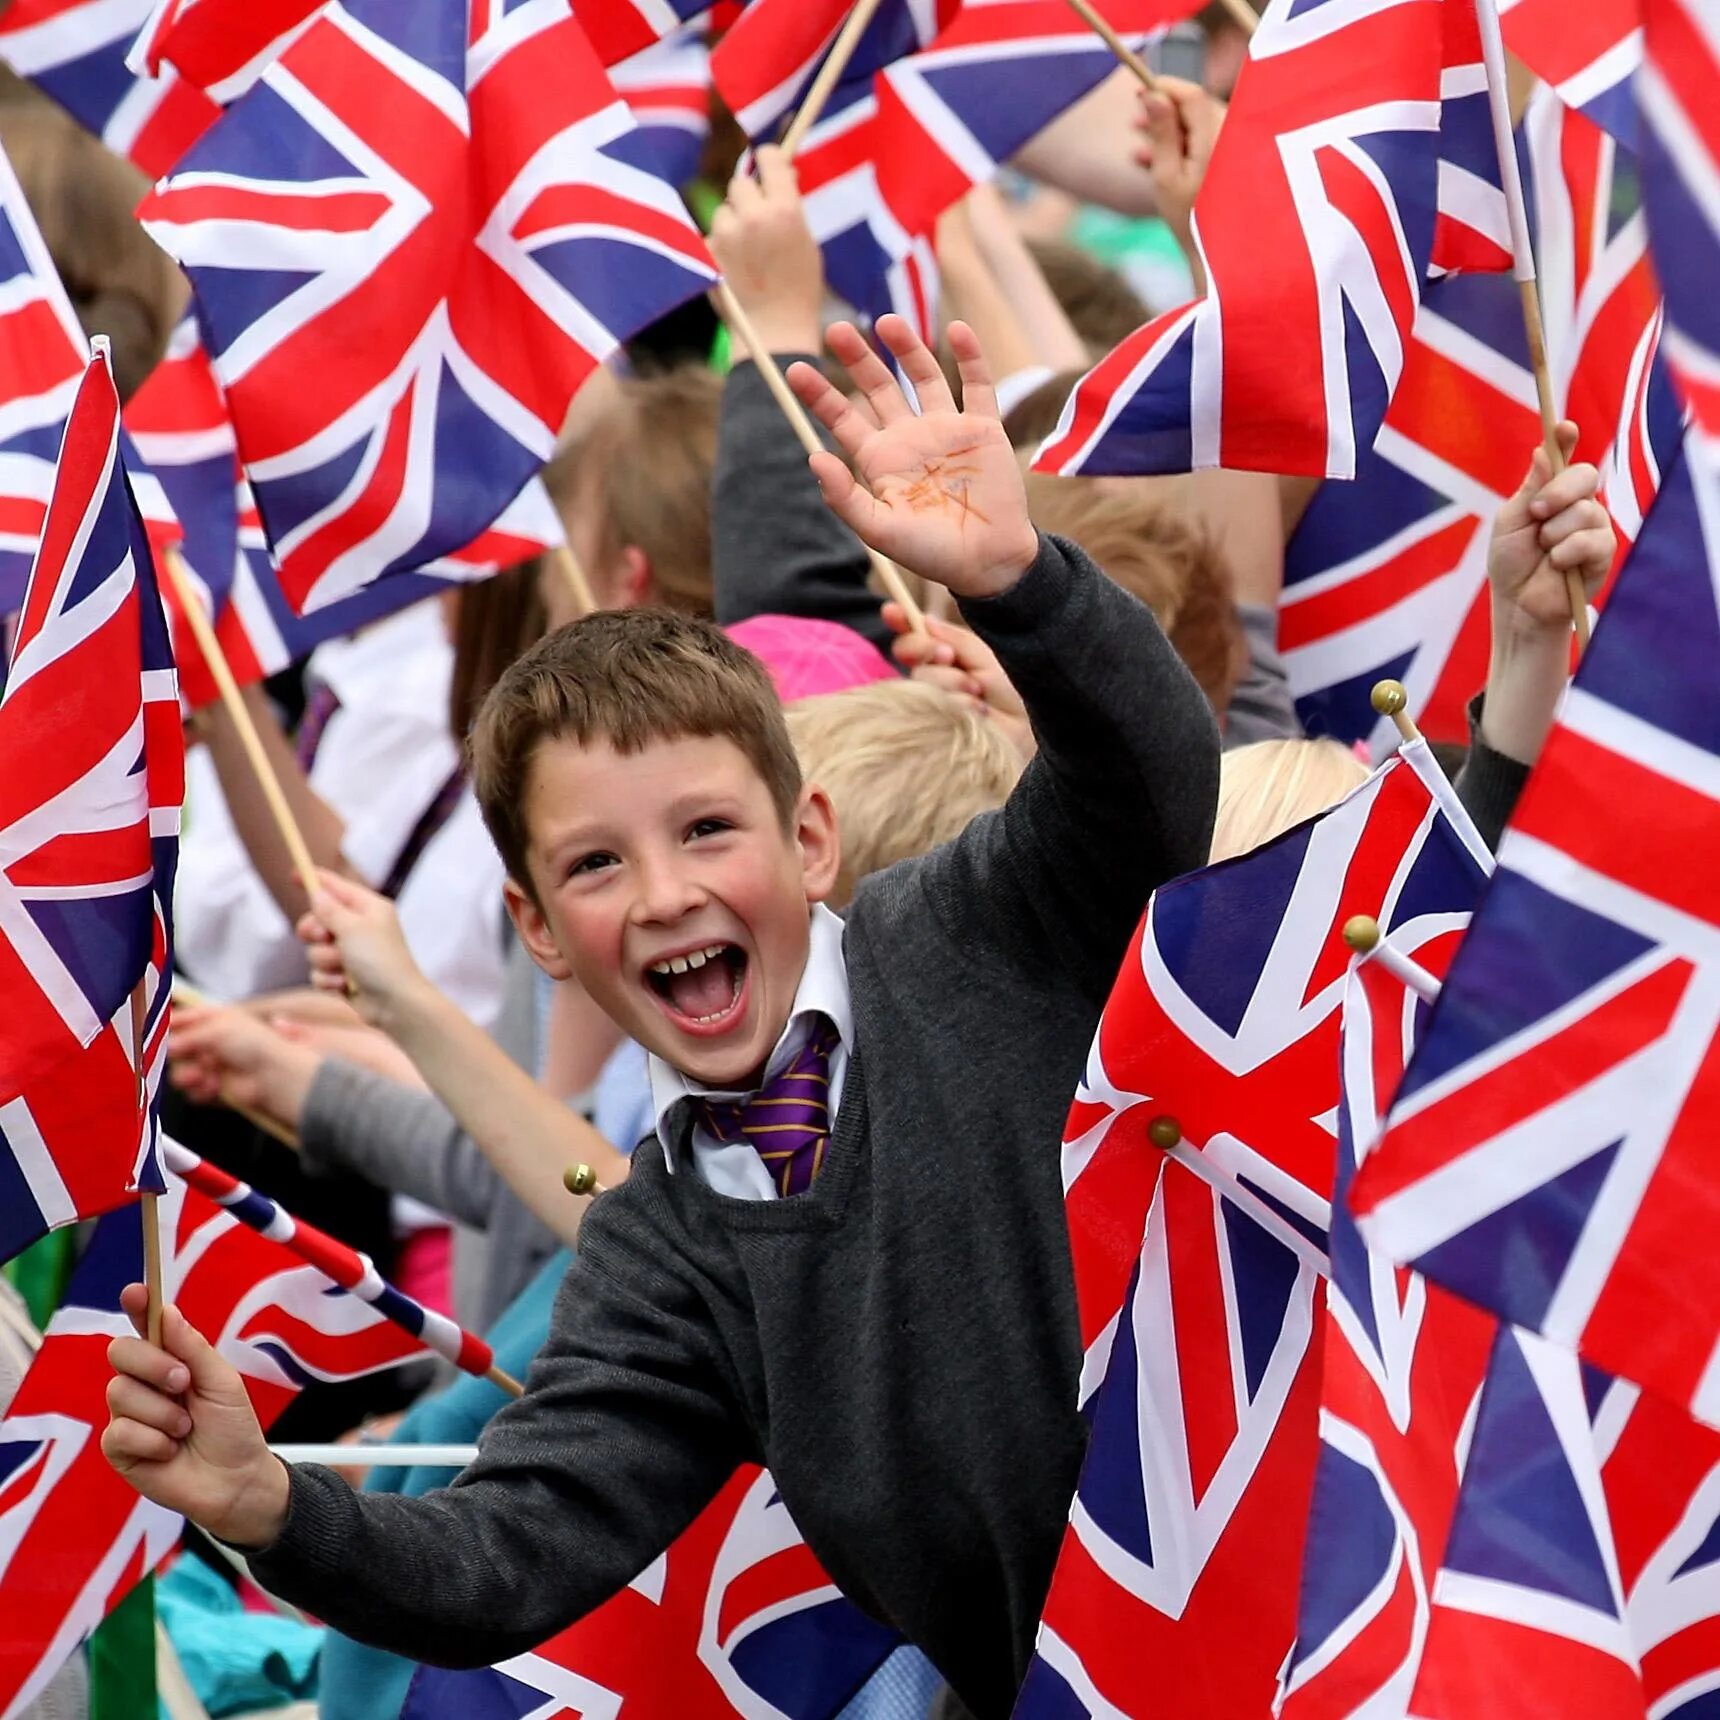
point(1523, 271)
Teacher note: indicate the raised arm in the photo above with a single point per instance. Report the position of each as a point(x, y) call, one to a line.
point(625, 1433)
point(775, 547)
point(1121, 795)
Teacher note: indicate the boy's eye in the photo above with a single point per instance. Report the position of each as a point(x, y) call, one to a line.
point(590, 863)
point(709, 827)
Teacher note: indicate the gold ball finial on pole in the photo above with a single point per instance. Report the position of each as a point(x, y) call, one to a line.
point(1391, 700)
point(1362, 933)
point(1164, 1133)
point(581, 1179)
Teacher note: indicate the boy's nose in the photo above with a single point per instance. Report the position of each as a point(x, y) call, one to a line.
point(666, 893)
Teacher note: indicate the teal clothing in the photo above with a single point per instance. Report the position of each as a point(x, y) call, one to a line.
point(237, 1662)
point(360, 1683)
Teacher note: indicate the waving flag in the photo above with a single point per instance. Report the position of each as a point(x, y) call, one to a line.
point(1328, 163)
point(432, 232)
point(668, 88)
point(1389, 577)
point(218, 46)
point(89, 820)
point(1403, 1363)
point(619, 29)
point(75, 1537)
point(1587, 54)
point(75, 51)
point(1206, 1120)
point(737, 1618)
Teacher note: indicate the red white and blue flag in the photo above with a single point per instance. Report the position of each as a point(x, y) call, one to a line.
point(89, 825)
point(619, 29)
point(1388, 577)
point(218, 46)
point(1548, 1155)
point(409, 248)
point(75, 51)
point(1329, 163)
point(75, 1537)
point(1403, 1363)
point(668, 87)
point(997, 75)
point(1204, 1343)
point(736, 1619)
point(1588, 55)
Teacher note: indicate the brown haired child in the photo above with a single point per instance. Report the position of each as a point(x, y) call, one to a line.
point(884, 1315)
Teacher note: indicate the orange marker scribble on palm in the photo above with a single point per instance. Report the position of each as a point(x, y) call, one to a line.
point(943, 486)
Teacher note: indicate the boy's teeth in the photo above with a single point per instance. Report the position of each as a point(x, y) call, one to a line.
point(685, 964)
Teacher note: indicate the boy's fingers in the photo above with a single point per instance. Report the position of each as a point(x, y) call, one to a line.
point(869, 373)
point(1583, 516)
point(918, 365)
point(979, 397)
point(1590, 550)
point(125, 1443)
point(852, 503)
point(1568, 488)
point(1568, 436)
point(776, 172)
point(848, 423)
point(148, 1363)
point(135, 1401)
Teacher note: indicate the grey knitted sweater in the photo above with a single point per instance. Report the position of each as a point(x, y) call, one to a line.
point(899, 1344)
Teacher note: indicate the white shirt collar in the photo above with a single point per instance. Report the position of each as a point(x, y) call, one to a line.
point(823, 990)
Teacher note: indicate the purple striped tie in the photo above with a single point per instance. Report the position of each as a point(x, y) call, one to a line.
point(322, 704)
point(787, 1121)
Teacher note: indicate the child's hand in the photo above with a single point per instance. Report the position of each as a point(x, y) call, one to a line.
point(182, 1431)
point(354, 945)
point(768, 255)
point(960, 663)
point(940, 491)
point(229, 1057)
point(1551, 525)
point(1179, 122)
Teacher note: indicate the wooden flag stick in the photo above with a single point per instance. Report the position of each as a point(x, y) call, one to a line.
point(1095, 20)
point(573, 577)
point(829, 75)
point(1390, 700)
point(150, 1203)
point(889, 575)
point(298, 851)
point(1523, 271)
point(500, 1377)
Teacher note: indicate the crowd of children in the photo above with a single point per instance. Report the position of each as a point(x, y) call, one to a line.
point(751, 855)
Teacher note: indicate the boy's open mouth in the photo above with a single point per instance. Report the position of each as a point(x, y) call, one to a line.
point(702, 988)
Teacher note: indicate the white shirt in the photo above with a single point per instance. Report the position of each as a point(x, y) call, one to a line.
point(384, 757)
point(734, 1168)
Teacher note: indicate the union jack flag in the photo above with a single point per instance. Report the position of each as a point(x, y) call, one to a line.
point(1403, 1363)
point(1328, 162)
point(736, 1619)
point(1588, 55)
point(766, 59)
point(218, 46)
point(1681, 146)
point(75, 51)
point(668, 87)
point(74, 1536)
point(89, 823)
point(1389, 577)
point(1221, 1038)
point(619, 29)
point(997, 75)
point(1546, 1155)
point(408, 250)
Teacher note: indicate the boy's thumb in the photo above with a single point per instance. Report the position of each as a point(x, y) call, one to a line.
point(210, 1375)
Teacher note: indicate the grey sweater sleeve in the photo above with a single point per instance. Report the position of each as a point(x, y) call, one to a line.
point(625, 1433)
point(1120, 797)
point(1489, 783)
point(775, 547)
point(398, 1137)
point(1261, 708)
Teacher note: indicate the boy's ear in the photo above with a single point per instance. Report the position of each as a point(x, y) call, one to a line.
point(633, 578)
point(820, 842)
point(533, 930)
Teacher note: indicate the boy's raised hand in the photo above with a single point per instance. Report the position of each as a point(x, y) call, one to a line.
point(354, 945)
point(939, 490)
point(182, 1431)
point(1552, 524)
point(225, 1056)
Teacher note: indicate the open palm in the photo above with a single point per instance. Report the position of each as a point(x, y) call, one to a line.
point(939, 490)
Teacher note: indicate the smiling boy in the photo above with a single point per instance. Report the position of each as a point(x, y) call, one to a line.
point(842, 1252)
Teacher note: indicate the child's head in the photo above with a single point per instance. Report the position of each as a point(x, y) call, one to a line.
point(637, 777)
point(1265, 788)
point(906, 767)
point(633, 489)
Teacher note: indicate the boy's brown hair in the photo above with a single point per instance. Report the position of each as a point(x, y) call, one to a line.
point(906, 766)
point(1101, 305)
point(1171, 566)
point(650, 457)
point(628, 677)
